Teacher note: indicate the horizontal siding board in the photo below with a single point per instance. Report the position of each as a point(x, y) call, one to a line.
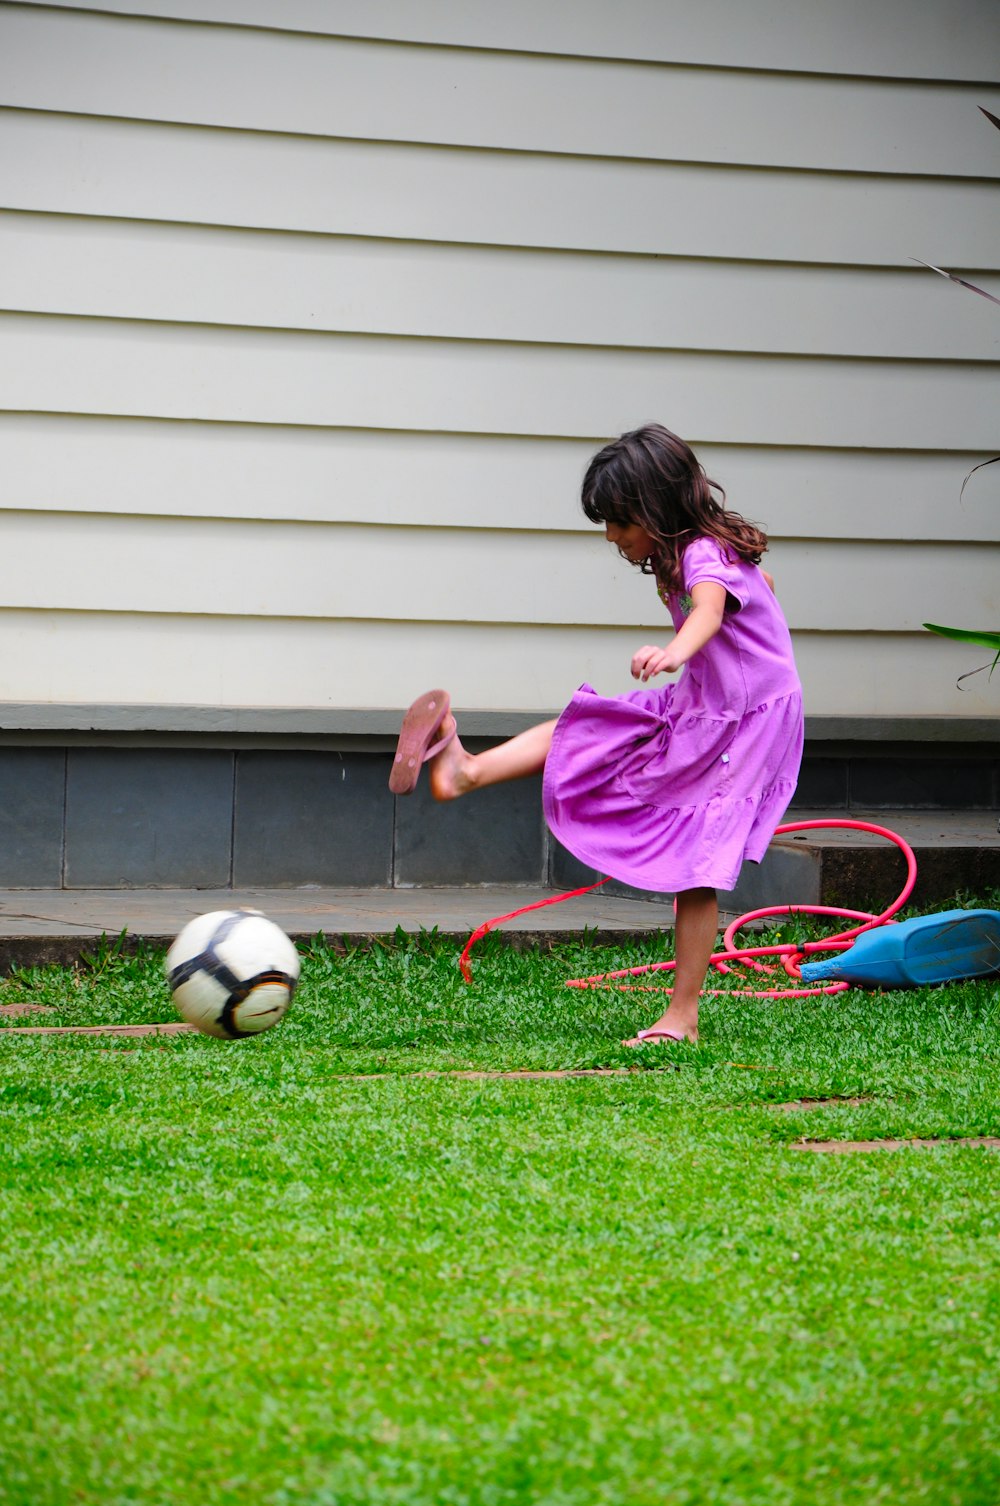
point(361, 572)
point(125, 269)
point(77, 165)
point(252, 80)
point(896, 38)
point(68, 463)
point(231, 662)
point(106, 366)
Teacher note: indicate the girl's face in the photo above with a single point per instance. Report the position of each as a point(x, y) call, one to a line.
point(631, 540)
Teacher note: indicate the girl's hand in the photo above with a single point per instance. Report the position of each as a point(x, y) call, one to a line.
point(650, 660)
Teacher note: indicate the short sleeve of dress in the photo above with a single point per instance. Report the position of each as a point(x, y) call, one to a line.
point(705, 560)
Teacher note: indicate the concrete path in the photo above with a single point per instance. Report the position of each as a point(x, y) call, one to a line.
point(40, 926)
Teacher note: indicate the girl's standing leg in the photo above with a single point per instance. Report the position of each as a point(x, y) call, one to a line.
point(455, 772)
point(695, 935)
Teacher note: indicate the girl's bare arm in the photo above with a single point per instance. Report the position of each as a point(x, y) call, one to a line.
point(702, 624)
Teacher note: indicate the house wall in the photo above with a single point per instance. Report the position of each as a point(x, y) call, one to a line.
point(316, 310)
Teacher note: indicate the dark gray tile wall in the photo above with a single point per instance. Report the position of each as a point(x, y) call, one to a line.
point(822, 785)
point(566, 871)
point(923, 783)
point(32, 811)
point(496, 838)
point(312, 818)
point(148, 818)
point(90, 817)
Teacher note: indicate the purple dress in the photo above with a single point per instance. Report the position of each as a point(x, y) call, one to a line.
point(675, 787)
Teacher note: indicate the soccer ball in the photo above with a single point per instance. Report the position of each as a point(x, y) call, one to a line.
point(232, 973)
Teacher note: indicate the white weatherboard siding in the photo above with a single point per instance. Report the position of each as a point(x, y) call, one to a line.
point(307, 570)
point(183, 273)
point(429, 479)
point(217, 661)
point(132, 170)
point(892, 39)
point(281, 377)
point(58, 60)
point(313, 314)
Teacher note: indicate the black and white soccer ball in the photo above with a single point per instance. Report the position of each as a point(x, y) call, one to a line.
point(232, 973)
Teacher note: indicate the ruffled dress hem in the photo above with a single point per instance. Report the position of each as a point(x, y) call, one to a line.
point(667, 805)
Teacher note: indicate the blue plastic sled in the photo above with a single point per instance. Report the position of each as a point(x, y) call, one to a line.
point(928, 949)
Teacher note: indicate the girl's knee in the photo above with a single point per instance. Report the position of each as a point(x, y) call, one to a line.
point(694, 897)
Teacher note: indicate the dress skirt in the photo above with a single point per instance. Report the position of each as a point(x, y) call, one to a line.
point(665, 798)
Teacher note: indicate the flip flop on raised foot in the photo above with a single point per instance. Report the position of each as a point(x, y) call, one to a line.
point(416, 739)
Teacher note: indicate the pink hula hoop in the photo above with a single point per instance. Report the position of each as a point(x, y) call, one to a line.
point(788, 956)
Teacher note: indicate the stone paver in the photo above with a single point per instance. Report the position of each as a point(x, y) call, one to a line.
point(179, 1027)
point(848, 1147)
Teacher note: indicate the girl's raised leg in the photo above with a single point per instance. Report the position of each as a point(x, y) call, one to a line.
point(454, 771)
point(695, 935)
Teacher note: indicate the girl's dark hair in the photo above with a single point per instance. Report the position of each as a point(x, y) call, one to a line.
point(651, 477)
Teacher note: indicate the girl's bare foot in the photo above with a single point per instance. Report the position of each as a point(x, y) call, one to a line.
point(450, 771)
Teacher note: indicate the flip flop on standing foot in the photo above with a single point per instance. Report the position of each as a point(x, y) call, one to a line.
point(642, 1036)
point(416, 740)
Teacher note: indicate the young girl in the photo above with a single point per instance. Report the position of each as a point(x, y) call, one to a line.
point(666, 788)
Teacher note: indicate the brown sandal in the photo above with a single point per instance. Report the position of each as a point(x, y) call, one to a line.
point(416, 740)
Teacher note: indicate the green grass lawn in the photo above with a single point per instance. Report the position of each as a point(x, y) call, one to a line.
point(295, 1270)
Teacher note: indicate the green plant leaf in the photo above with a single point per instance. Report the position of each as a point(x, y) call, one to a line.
point(965, 635)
